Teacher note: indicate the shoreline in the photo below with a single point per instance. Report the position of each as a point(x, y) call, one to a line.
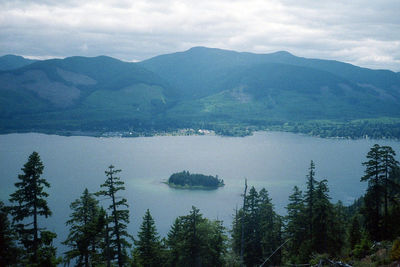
point(182, 132)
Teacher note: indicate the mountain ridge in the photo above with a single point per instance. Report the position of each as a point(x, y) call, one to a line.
point(200, 87)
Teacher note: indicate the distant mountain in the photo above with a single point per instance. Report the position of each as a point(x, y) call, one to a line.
point(277, 86)
point(78, 92)
point(202, 87)
point(196, 71)
point(10, 62)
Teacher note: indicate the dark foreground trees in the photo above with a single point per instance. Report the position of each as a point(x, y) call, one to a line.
point(86, 232)
point(381, 173)
point(28, 203)
point(119, 217)
point(148, 251)
point(196, 241)
point(313, 228)
point(261, 228)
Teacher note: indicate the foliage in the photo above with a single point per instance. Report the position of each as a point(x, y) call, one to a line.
point(8, 249)
point(191, 180)
point(381, 167)
point(261, 227)
point(30, 202)
point(119, 216)
point(86, 231)
point(196, 241)
point(395, 251)
point(148, 245)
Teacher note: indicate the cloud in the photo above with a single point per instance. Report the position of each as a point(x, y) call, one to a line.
point(365, 33)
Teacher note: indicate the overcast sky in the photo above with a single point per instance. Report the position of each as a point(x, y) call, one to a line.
point(361, 32)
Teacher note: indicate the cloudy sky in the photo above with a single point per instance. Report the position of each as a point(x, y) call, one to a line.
point(362, 32)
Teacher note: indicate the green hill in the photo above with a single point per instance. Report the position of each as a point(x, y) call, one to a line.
point(201, 88)
point(80, 93)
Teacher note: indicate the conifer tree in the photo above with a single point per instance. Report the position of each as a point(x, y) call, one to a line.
point(29, 203)
point(148, 245)
point(119, 216)
point(309, 198)
point(196, 241)
point(86, 228)
point(322, 216)
point(296, 227)
point(355, 234)
point(389, 163)
point(373, 197)
point(9, 251)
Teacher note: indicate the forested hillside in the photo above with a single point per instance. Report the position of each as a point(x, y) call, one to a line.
point(229, 92)
point(314, 231)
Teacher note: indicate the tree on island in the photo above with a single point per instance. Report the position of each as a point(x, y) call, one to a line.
point(29, 203)
point(185, 178)
point(119, 216)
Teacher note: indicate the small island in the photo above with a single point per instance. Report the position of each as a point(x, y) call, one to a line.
point(186, 180)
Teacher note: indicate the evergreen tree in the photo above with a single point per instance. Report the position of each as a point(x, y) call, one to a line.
point(175, 242)
point(86, 228)
point(389, 164)
point(296, 227)
point(196, 241)
point(309, 199)
point(9, 251)
point(252, 242)
point(355, 234)
point(148, 246)
point(29, 203)
point(261, 226)
point(322, 216)
point(373, 197)
point(119, 216)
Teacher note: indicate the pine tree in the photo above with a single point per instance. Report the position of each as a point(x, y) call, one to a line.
point(196, 241)
point(309, 199)
point(29, 203)
point(148, 245)
point(86, 228)
point(9, 251)
point(119, 216)
point(389, 163)
point(253, 250)
point(296, 227)
point(355, 232)
point(322, 218)
point(373, 197)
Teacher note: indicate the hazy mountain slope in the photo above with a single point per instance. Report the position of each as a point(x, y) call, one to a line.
point(10, 62)
point(278, 92)
point(201, 87)
point(196, 71)
point(80, 90)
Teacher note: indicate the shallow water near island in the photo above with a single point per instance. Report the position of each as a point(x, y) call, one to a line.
point(274, 160)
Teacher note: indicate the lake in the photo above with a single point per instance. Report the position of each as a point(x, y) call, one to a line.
point(274, 160)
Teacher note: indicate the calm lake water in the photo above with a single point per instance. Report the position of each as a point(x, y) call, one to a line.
point(274, 160)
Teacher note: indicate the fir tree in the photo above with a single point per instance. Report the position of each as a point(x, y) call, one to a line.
point(9, 251)
point(196, 241)
point(119, 216)
point(86, 227)
point(309, 198)
point(29, 203)
point(373, 196)
point(354, 232)
point(296, 227)
point(148, 244)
